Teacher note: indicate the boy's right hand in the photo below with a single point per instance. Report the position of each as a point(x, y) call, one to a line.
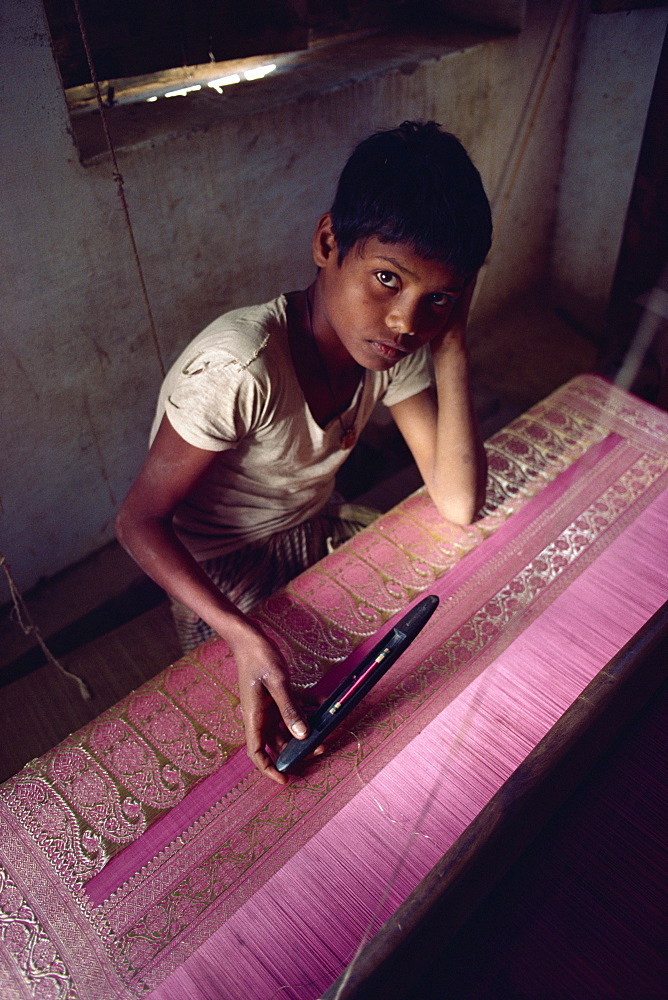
point(267, 702)
point(146, 530)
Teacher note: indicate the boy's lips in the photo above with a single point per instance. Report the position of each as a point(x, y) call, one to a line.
point(388, 350)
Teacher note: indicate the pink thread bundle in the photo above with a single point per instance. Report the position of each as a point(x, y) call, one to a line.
point(349, 877)
point(246, 889)
point(125, 864)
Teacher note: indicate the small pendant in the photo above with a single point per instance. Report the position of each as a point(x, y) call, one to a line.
point(348, 438)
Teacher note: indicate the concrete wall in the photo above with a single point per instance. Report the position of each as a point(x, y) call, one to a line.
point(222, 203)
point(619, 55)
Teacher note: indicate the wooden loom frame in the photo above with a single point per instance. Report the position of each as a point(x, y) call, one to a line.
point(448, 896)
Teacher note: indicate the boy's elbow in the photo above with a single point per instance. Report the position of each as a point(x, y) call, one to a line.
point(461, 509)
point(128, 526)
point(138, 530)
point(459, 498)
point(122, 527)
point(465, 518)
point(460, 513)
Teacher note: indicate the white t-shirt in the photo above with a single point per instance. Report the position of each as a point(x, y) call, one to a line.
point(234, 390)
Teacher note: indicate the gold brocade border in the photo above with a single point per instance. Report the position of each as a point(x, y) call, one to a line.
point(69, 843)
point(35, 957)
point(79, 803)
point(212, 876)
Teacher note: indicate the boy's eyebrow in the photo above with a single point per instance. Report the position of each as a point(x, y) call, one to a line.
point(400, 267)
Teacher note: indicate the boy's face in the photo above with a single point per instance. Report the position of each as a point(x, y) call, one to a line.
point(382, 302)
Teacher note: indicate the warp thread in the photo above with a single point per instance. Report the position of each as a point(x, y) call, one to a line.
point(424, 813)
point(118, 177)
point(384, 812)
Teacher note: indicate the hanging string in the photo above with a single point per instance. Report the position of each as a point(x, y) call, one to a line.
point(118, 177)
point(529, 115)
point(28, 627)
point(21, 613)
point(500, 199)
point(653, 317)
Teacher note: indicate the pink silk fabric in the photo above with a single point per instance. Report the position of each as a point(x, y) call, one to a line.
point(142, 855)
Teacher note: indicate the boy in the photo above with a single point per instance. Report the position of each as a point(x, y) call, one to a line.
point(259, 412)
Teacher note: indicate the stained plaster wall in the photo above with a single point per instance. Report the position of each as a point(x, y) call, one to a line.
point(617, 63)
point(222, 204)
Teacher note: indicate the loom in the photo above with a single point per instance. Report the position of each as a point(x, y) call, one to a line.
point(144, 857)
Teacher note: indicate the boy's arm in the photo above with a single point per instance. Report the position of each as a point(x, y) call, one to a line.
point(443, 432)
point(144, 528)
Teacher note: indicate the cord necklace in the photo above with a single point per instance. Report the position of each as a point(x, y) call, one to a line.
point(349, 432)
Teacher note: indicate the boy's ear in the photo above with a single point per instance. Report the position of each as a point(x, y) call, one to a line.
point(325, 248)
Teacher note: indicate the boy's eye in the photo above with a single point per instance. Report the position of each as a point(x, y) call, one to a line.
point(441, 299)
point(388, 278)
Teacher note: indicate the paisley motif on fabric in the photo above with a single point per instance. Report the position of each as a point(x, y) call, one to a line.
point(375, 723)
point(101, 788)
point(37, 962)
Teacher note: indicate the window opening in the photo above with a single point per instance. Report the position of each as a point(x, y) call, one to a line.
point(148, 49)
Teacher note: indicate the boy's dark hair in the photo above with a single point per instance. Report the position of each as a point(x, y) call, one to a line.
point(415, 184)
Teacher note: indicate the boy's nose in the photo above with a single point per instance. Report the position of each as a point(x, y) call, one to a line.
point(403, 318)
